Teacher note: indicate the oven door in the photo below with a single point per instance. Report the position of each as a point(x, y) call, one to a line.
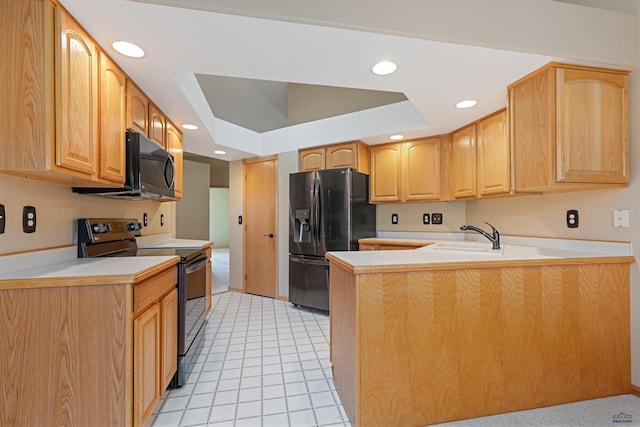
point(193, 295)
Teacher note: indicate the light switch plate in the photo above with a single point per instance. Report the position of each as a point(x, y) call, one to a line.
point(621, 218)
point(394, 218)
point(3, 219)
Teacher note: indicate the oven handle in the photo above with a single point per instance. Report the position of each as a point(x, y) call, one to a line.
point(197, 265)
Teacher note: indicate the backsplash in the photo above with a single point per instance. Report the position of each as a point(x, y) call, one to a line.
point(57, 209)
point(410, 216)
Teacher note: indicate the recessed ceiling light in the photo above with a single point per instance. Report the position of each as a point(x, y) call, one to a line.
point(189, 126)
point(128, 49)
point(466, 103)
point(396, 137)
point(219, 152)
point(383, 68)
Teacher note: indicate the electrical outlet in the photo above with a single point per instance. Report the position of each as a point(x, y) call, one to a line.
point(29, 219)
point(240, 219)
point(3, 219)
point(572, 218)
point(426, 218)
point(161, 220)
point(394, 218)
point(621, 218)
point(436, 218)
point(145, 219)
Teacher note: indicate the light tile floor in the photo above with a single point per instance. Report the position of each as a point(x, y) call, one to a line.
point(265, 363)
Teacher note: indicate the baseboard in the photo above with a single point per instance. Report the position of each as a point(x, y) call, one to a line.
point(635, 390)
point(235, 289)
point(283, 297)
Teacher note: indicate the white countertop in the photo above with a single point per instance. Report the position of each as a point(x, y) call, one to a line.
point(88, 267)
point(164, 241)
point(533, 249)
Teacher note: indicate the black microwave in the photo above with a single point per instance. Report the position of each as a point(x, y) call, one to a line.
point(150, 172)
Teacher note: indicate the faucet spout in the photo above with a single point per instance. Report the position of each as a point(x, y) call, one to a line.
point(494, 238)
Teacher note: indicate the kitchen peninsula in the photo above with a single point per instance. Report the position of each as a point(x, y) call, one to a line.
point(446, 332)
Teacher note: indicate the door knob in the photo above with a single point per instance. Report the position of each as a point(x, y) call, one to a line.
point(270, 235)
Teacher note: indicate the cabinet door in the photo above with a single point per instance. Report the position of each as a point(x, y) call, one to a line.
point(76, 97)
point(169, 337)
point(463, 153)
point(157, 126)
point(174, 146)
point(112, 120)
point(311, 159)
point(421, 170)
point(146, 364)
point(137, 109)
point(494, 161)
point(342, 156)
point(592, 126)
point(385, 180)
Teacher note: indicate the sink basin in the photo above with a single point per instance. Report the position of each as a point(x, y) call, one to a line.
point(467, 247)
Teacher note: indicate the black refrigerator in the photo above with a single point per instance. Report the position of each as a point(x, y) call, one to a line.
point(329, 210)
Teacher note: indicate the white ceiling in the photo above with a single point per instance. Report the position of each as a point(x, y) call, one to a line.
point(328, 43)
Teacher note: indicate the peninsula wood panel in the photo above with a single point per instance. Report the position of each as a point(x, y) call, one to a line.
point(64, 358)
point(435, 346)
point(343, 332)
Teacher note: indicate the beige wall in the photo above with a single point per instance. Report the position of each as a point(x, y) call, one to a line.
point(57, 209)
point(287, 163)
point(236, 203)
point(192, 212)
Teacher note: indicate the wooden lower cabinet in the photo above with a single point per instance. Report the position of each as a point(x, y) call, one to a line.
point(155, 341)
point(169, 338)
point(413, 347)
point(75, 353)
point(146, 365)
point(155, 350)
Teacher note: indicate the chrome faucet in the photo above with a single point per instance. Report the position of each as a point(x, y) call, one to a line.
point(495, 239)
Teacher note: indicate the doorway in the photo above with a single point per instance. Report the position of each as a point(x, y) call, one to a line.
point(260, 233)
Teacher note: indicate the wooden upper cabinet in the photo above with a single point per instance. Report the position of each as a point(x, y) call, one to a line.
point(157, 126)
point(569, 129)
point(348, 155)
point(137, 109)
point(592, 126)
point(76, 86)
point(112, 121)
point(385, 181)
point(406, 172)
point(463, 157)
point(174, 146)
point(311, 159)
point(421, 170)
point(493, 156)
point(353, 154)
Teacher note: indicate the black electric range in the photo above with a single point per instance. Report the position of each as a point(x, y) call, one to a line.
point(109, 237)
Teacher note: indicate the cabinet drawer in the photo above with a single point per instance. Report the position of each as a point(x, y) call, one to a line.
point(151, 290)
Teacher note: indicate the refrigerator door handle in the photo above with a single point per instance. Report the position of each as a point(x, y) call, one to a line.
point(315, 213)
point(308, 261)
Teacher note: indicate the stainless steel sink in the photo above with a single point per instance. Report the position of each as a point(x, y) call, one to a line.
point(466, 247)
